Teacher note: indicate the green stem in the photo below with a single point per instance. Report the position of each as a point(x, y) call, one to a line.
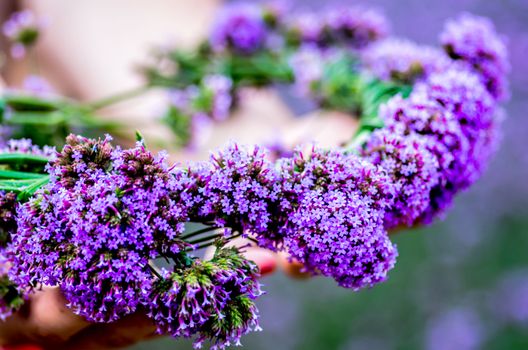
point(205, 239)
point(154, 271)
point(19, 175)
point(209, 244)
point(30, 190)
point(199, 232)
point(108, 101)
point(22, 158)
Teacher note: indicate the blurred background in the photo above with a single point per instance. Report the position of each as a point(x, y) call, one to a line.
point(461, 284)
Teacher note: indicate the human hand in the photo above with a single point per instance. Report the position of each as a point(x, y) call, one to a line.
point(46, 322)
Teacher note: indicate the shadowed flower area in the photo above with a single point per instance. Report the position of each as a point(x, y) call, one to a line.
point(460, 284)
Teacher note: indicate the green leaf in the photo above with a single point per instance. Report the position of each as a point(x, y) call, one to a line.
point(22, 158)
point(19, 175)
point(36, 119)
point(30, 103)
point(139, 137)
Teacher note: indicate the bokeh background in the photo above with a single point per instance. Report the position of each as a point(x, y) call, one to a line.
point(461, 284)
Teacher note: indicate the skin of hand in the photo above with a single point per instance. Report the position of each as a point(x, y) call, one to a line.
point(45, 321)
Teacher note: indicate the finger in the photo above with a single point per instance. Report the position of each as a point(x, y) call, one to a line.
point(126, 331)
point(43, 319)
point(327, 129)
point(291, 267)
point(265, 259)
point(51, 320)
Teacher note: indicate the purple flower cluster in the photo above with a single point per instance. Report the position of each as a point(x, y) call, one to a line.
point(8, 294)
point(403, 61)
point(92, 230)
point(8, 204)
point(208, 300)
point(10, 298)
point(462, 94)
point(445, 140)
point(352, 27)
point(240, 190)
point(218, 89)
point(240, 27)
point(335, 228)
point(458, 118)
point(412, 168)
point(22, 29)
point(474, 40)
point(193, 109)
point(26, 146)
point(308, 66)
point(212, 98)
point(107, 212)
point(356, 26)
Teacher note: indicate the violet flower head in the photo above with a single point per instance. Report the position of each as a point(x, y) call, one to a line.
point(38, 86)
point(240, 191)
point(356, 27)
point(403, 61)
point(337, 204)
point(412, 168)
point(23, 30)
point(307, 64)
point(10, 299)
point(94, 227)
point(8, 204)
point(445, 140)
point(26, 146)
point(208, 300)
point(240, 27)
point(305, 28)
point(218, 91)
point(462, 93)
point(475, 40)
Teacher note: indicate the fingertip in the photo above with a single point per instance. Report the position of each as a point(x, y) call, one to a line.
point(292, 268)
point(265, 259)
point(51, 318)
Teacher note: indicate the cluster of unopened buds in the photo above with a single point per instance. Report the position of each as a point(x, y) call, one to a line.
point(93, 218)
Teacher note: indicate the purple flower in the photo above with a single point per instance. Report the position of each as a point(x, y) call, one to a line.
point(22, 29)
point(10, 299)
point(38, 86)
point(240, 27)
point(306, 27)
point(26, 146)
point(445, 140)
point(337, 203)
point(218, 89)
point(403, 61)
point(8, 204)
point(412, 168)
point(307, 64)
point(94, 227)
point(240, 191)
point(475, 40)
point(462, 94)
point(356, 27)
point(208, 300)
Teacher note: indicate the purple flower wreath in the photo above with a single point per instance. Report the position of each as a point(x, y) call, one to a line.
point(93, 218)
